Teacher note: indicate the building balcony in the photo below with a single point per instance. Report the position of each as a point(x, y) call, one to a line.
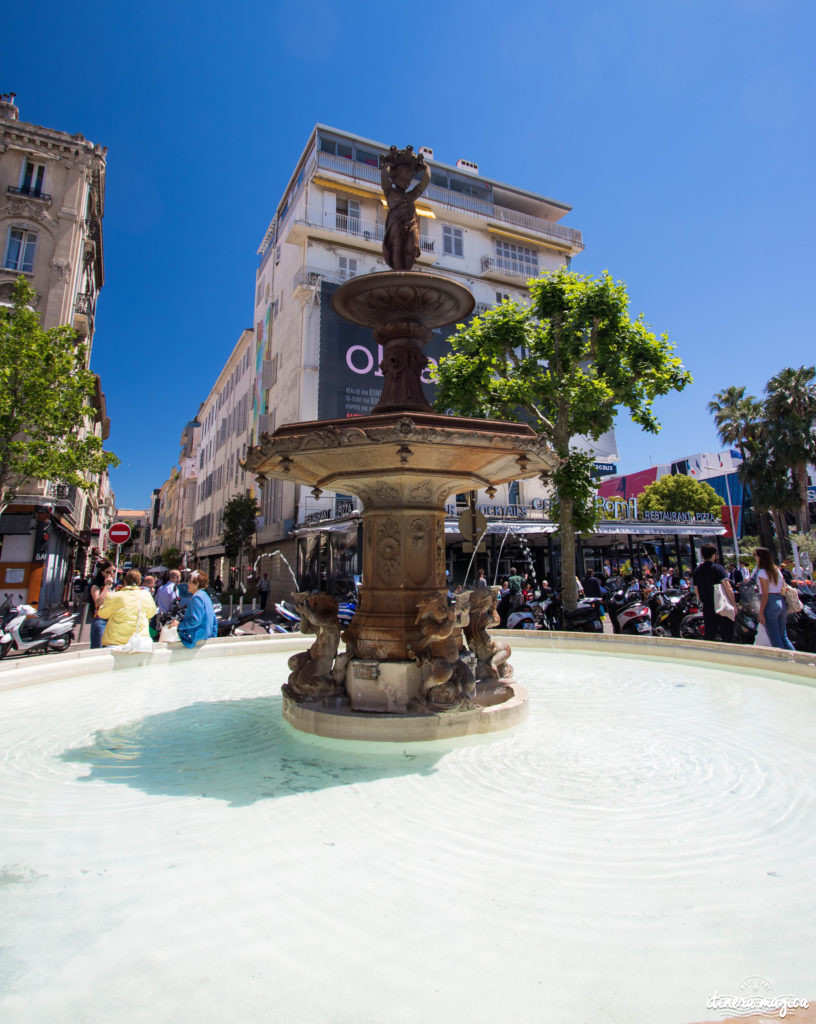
point(27, 192)
point(564, 237)
point(84, 313)
point(61, 494)
point(502, 269)
point(361, 234)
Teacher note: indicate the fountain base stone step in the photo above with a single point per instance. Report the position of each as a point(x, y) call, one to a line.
point(382, 686)
point(499, 712)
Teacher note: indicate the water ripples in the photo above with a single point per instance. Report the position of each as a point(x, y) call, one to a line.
point(642, 803)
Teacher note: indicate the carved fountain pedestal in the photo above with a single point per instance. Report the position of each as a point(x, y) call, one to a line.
point(407, 673)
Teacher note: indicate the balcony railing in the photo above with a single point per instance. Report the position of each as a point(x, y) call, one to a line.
point(62, 493)
point(512, 268)
point(354, 227)
point(460, 201)
point(29, 192)
point(84, 303)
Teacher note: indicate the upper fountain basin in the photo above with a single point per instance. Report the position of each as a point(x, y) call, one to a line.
point(461, 453)
point(374, 300)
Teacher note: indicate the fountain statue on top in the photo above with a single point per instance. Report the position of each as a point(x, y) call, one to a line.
point(407, 672)
point(398, 168)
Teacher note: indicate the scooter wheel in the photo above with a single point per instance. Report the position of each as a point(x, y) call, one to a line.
point(4, 649)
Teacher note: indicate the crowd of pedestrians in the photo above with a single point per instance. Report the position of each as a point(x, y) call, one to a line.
point(121, 610)
point(518, 589)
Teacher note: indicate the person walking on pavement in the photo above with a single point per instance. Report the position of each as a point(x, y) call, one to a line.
point(773, 608)
point(264, 586)
point(592, 586)
point(706, 577)
point(481, 582)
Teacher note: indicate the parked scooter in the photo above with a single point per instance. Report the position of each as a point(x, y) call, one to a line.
point(240, 623)
point(586, 618)
point(286, 615)
point(346, 610)
point(668, 609)
point(27, 630)
point(627, 608)
point(801, 626)
point(522, 618)
point(746, 622)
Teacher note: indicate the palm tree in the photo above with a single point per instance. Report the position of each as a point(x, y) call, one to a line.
point(791, 414)
point(739, 419)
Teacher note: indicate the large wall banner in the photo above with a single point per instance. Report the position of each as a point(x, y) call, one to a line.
point(350, 380)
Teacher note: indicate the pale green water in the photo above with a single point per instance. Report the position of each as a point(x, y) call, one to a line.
point(170, 851)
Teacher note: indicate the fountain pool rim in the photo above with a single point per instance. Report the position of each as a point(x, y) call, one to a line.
point(795, 666)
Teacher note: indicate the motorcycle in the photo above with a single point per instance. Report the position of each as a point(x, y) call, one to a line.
point(26, 630)
point(241, 623)
point(286, 615)
point(746, 622)
point(522, 618)
point(346, 610)
point(587, 617)
point(627, 608)
point(668, 609)
point(801, 626)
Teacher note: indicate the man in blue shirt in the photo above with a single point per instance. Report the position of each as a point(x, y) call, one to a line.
point(169, 592)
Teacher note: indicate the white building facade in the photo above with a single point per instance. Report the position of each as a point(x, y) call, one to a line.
point(328, 227)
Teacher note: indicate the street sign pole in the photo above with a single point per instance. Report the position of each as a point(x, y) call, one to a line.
point(119, 534)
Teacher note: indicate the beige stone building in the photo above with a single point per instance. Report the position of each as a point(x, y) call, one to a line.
point(52, 200)
point(225, 420)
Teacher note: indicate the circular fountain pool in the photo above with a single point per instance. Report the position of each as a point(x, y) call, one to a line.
point(171, 850)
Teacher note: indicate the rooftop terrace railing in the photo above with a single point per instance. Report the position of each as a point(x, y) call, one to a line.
point(459, 201)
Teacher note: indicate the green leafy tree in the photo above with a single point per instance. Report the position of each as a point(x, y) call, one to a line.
point(680, 494)
point(239, 517)
point(791, 423)
point(46, 395)
point(568, 362)
point(171, 557)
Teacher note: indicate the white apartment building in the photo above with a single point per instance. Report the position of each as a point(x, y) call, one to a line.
point(224, 427)
point(51, 209)
point(329, 226)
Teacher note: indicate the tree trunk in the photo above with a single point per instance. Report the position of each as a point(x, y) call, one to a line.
point(766, 536)
point(569, 588)
point(781, 529)
point(804, 511)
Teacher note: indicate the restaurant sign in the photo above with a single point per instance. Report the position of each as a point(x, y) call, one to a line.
point(621, 508)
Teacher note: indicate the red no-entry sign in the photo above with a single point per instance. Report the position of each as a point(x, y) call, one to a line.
point(119, 533)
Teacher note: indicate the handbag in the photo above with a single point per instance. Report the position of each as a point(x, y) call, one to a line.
point(762, 639)
point(169, 635)
point(138, 643)
point(722, 606)
point(792, 600)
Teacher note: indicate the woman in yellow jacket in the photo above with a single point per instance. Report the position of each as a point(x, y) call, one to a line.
point(127, 610)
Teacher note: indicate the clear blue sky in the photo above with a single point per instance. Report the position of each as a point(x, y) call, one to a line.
point(681, 133)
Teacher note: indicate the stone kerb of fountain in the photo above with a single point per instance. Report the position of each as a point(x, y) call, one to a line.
point(414, 666)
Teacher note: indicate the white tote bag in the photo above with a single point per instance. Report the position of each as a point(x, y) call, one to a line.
point(138, 643)
point(722, 606)
point(762, 639)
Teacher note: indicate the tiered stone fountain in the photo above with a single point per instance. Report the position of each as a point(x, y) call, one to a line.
point(406, 673)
